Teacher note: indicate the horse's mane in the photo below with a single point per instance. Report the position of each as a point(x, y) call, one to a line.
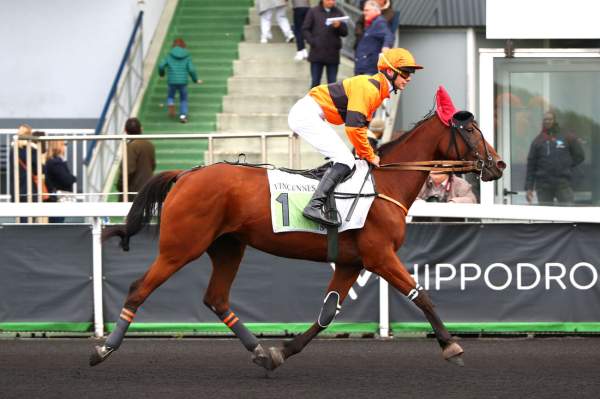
point(387, 147)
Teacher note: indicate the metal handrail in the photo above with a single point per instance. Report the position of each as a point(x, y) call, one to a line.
point(124, 91)
point(113, 89)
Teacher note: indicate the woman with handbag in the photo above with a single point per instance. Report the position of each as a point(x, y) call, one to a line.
point(58, 175)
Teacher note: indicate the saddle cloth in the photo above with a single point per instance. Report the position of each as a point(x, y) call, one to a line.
point(290, 193)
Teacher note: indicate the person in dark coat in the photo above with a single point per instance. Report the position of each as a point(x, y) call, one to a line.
point(325, 40)
point(552, 157)
point(377, 37)
point(300, 9)
point(386, 11)
point(58, 175)
point(141, 160)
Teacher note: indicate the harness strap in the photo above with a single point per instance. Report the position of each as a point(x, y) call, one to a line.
point(438, 166)
point(393, 201)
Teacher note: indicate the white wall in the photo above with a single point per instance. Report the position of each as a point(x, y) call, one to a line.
point(61, 56)
point(542, 19)
point(443, 56)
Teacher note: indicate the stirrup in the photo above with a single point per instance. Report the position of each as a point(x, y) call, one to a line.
point(321, 217)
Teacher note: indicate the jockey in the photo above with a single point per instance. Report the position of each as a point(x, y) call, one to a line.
point(352, 102)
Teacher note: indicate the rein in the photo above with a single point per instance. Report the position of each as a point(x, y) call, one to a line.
point(436, 166)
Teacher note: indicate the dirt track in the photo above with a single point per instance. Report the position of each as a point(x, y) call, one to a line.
point(346, 368)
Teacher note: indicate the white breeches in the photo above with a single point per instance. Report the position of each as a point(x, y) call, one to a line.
point(282, 21)
point(306, 119)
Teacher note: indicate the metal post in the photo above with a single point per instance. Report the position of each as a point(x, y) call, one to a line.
point(210, 151)
point(125, 172)
point(384, 311)
point(291, 151)
point(97, 276)
point(74, 163)
point(28, 172)
point(39, 171)
point(263, 148)
point(16, 174)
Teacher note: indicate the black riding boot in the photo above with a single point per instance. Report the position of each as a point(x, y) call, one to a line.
point(315, 210)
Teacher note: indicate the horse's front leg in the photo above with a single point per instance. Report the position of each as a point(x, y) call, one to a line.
point(387, 265)
point(343, 278)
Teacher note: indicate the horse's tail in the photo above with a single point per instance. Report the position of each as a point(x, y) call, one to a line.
point(147, 202)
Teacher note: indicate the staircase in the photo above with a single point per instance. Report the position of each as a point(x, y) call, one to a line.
point(266, 82)
point(212, 30)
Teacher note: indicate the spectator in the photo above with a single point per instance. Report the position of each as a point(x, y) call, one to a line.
point(377, 37)
point(445, 187)
point(300, 8)
point(24, 130)
point(178, 64)
point(265, 11)
point(552, 157)
point(141, 160)
point(325, 40)
point(58, 176)
point(386, 11)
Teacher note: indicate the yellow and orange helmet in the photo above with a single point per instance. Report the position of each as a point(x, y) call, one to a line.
point(395, 59)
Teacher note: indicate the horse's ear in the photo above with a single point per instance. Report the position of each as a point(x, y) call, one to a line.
point(444, 107)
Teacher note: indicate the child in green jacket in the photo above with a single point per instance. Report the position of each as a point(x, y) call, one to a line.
point(178, 64)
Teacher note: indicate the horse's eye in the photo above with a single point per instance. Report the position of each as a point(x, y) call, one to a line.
point(470, 130)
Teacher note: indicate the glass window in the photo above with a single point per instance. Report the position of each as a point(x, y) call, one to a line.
point(547, 122)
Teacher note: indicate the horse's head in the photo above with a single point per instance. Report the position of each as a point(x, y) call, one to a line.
point(464, 141)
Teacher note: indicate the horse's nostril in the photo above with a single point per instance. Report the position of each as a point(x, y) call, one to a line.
point(501, 165)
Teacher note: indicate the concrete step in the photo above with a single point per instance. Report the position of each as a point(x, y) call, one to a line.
point(252, 34)
point(268, 86)
point(249, 103)
point(250, 144)
point(271, 68)
point(275, 51)
point(227, 122)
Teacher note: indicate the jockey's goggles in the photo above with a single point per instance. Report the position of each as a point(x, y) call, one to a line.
point(406, 72)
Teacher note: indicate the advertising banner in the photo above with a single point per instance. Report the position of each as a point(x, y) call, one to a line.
point(515, 273)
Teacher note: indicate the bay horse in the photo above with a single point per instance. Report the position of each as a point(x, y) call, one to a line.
point(209, 209)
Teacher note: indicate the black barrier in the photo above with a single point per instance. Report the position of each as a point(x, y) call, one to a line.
point(497, 277)
point(46, 278)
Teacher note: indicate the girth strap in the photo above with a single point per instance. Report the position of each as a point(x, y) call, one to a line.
point(393, 201)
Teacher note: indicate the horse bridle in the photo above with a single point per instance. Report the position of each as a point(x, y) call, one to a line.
point(458, 124)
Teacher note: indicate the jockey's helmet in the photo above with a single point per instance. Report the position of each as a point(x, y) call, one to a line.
point(396, 59)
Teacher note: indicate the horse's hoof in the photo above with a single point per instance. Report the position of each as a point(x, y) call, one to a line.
point(100, 354)
point(269, 360)
point(453, 354)
point(260, 357)
point(457, 360)
point(276, 356)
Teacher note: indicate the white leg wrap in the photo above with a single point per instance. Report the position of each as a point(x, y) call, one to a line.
point(331, 308)
point(414, 293)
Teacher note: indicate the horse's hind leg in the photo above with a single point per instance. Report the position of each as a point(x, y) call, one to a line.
point(341, 282)
point(175, 252)
point(226, 254)
point(387, 265)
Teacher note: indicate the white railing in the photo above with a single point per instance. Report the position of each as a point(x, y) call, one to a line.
point(121, 140)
